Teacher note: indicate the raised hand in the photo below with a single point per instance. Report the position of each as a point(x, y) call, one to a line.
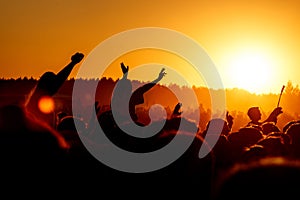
point(124, 68)
point(77, 57)
point(229, 119)
point(277, 111)
point(161, 74)
point(176, 110)
point(274, 114)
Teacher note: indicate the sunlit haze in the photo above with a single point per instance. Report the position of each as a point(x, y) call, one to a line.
point(253, 71)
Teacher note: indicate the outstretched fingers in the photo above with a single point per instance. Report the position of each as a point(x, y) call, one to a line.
point(162, 73)
point(124, 68)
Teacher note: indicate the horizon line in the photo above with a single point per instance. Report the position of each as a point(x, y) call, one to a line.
point(94, 79)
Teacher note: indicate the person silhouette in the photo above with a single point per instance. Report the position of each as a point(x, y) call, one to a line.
point(255, 116)
point(48, 85)
point(123, 93)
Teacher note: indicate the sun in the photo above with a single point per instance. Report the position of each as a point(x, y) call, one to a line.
point(252, 71)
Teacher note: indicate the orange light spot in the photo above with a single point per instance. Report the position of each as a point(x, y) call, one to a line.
point(46, 105)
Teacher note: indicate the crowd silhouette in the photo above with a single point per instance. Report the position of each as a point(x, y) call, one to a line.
point(259, 159)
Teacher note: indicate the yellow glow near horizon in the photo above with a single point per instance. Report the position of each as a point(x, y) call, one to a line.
point(145, 64)
point(253, 69)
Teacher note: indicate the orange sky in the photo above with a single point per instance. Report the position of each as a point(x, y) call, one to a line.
point(37, 36)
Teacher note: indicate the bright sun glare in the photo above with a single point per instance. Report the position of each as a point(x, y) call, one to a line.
point(251, 71)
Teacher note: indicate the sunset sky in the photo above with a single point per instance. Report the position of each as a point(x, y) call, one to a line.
point(243, 38)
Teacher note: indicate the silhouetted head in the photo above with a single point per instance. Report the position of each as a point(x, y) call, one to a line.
point(71, 123)
point(273, 145)
point(254, 114)
point(245, 137)
point(216, 125)
point(253, 152)
point(294, 132)
point(46, 83)
point(61, 115)
point(267, 178)
point(269, 127)
point(287, 125)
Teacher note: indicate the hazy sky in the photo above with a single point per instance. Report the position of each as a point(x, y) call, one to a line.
point(238, 35)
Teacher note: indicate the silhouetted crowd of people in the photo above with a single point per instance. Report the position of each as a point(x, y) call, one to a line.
point(258, 160)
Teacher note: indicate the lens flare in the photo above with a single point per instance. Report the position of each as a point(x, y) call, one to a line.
point(46, 104)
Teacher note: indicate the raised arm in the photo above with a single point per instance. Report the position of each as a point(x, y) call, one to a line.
point(176, 111)
point(274, 114)
point(229, 119)
point(138, 93)
point(49, 84)
point(161, 74)
point(137, 96)
point(63, 74)
point(125, 70)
